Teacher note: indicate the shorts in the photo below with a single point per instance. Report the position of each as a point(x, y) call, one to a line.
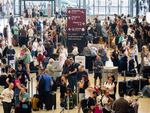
point(81, 96)
point(97, 75)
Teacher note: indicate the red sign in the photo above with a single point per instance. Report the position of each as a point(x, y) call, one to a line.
point(76, 23)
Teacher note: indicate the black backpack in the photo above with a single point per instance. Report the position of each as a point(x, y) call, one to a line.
point(42, 83)
point(130, 109)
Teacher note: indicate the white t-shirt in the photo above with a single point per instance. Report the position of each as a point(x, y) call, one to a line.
point(30, 32)
point(109, 86)
point(61, 59)
point(105, 101)
point(40, 49)
point(7, 95)
point(34, 46)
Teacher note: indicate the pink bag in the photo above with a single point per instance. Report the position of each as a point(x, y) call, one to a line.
point(98, 110)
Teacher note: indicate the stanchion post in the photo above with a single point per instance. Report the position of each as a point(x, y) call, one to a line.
point(31, 87)
point(68, 103)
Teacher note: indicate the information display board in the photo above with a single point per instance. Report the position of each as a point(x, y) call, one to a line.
point(76, 23)
point(76, 27)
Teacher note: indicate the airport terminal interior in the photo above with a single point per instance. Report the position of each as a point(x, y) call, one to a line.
point(74, 56)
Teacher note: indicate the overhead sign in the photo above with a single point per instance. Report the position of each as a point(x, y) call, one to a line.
point(76, 23)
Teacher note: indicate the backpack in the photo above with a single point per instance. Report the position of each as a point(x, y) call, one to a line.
point(35, 102)
point(130, 109)
point(42, 83)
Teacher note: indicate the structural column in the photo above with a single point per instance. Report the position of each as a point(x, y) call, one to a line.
point(84, 4)
point(137, 7)
point(79, 3)
point(24, 2)
point(131, 7)
point(149, 5)
point(52, 8)
point(19, 7)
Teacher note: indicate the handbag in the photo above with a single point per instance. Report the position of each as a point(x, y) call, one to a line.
point(98, 110)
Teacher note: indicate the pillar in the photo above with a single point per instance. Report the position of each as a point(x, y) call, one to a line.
point(19, 7)
point(24, 3)
point(149, 5)
point(137, 7)
point(52, 8)
point(84, 4)
point(79, 3)
point(130, 11)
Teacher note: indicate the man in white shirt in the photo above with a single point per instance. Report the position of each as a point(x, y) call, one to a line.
point(7, 96)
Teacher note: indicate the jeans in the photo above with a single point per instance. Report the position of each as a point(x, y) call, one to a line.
point(6, 107)
point(16, 97)
point(44, 98)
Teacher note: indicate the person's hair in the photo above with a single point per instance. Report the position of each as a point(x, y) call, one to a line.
point(18, 75)
point(51, 60)
point(19, 65)
point(143, 48)
point(105, 91)
point(110, 76)
point(86, 78)
point(13, 71)
point(95, 93)
point(81, 67)
point(67, 62)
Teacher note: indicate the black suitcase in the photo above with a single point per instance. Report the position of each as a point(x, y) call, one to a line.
point(122, 87)
point(3, 80)
point(51, 102)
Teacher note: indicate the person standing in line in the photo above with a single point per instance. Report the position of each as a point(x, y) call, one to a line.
point(44, 88)
point(98, 65)
point(11, 21)
point(7, 96)
point(10, 53)
point(24, 100)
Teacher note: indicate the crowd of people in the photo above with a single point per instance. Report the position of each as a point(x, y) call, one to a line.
point(43, 51)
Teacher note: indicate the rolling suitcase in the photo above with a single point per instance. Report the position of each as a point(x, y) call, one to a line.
point(122, 87)
point(131, 73)
point(3, 80)
point(51, 102)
